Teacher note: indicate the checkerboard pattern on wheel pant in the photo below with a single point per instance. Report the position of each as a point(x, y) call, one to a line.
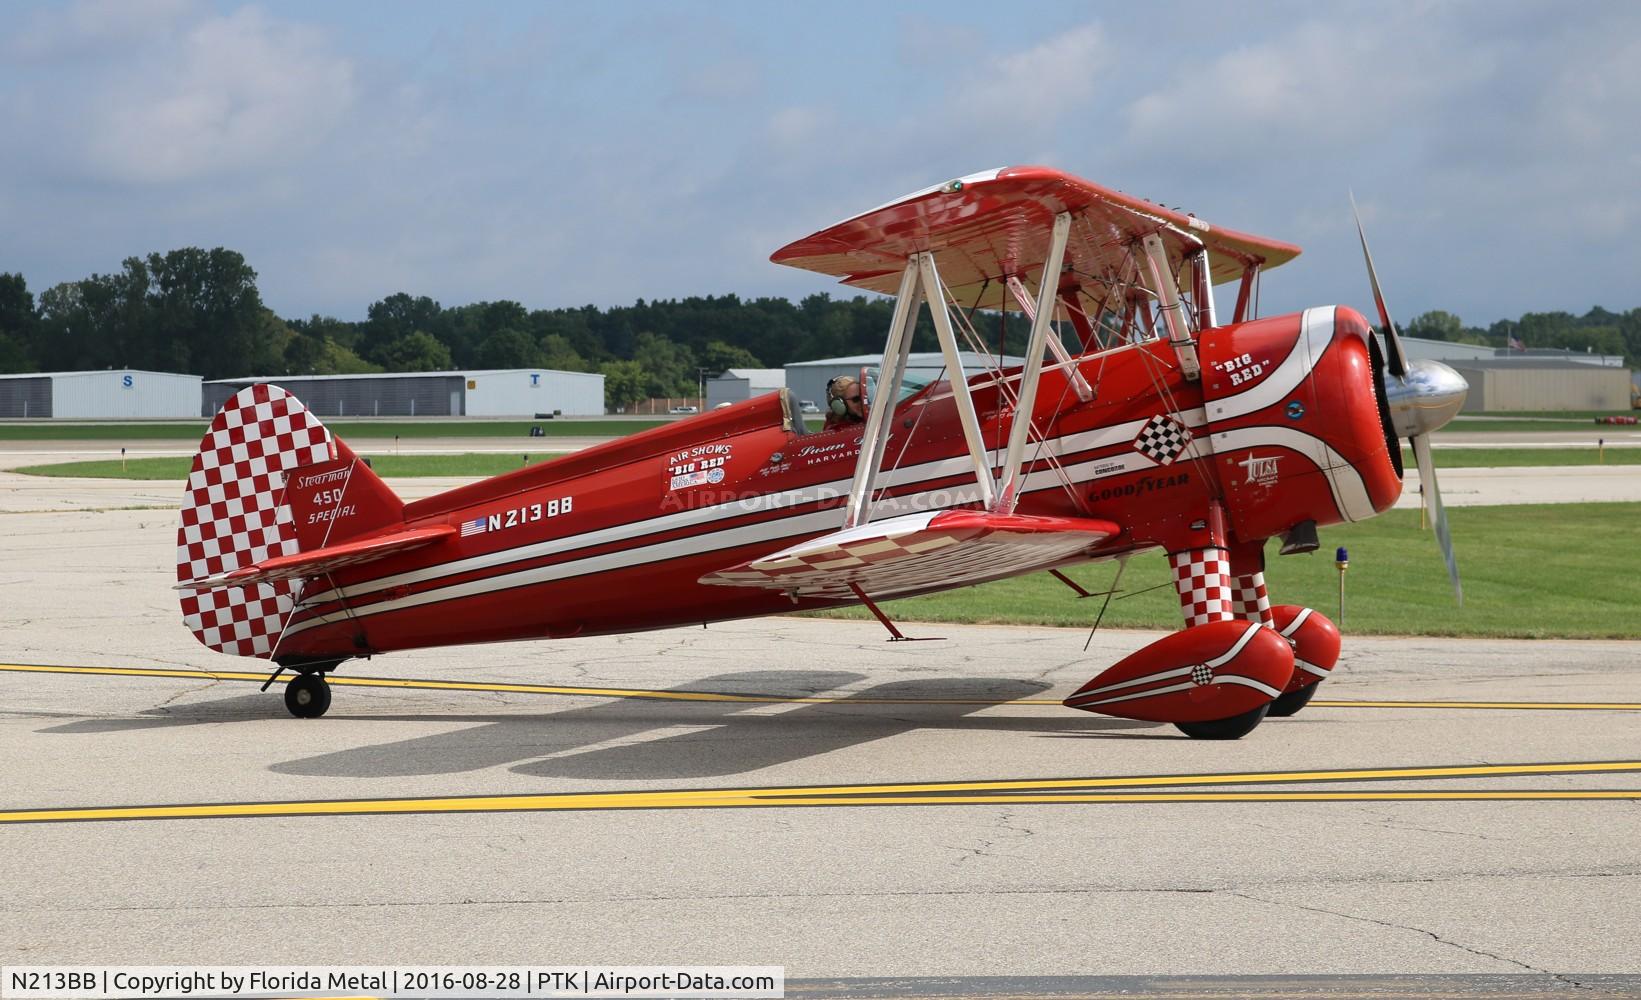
point(233, 515)
point(1203, 579)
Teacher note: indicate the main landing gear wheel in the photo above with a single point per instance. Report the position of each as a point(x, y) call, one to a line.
point(1290, 703)
point(307, 696)
point(1234, 728)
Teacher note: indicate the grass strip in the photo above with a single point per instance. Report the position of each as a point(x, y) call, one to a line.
point(1534, 571)
point(1503, 458)
point(176, 468)
point(1470, 426)
point(350, 430)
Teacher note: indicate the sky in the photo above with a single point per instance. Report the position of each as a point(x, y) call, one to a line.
point(563, 154)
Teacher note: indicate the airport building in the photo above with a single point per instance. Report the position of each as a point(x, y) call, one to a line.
point(111, 394)
point(1454, 353)
point(739, 384)
point(1544, 384)
point(1533, 379)
point(513, 392)
point(807, 379)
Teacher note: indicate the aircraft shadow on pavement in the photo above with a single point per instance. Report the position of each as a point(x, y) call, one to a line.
point(239, 708)
point(691, 738)
point(698, 739)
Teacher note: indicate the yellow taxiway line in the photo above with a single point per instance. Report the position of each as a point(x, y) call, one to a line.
point(751, 699)
point(1110, 790)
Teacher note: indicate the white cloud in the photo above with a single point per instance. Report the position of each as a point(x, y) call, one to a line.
point(1035, 87)
point(1317, 81)
point(93, 27)
point(797, 129)
point(560, 157)
point(215, 94)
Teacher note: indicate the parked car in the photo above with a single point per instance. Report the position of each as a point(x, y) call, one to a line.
point(685, 409)
point(807, 406)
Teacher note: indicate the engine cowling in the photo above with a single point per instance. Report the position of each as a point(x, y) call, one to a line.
point(1298, 421)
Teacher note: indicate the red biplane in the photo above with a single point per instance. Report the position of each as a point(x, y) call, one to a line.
point(1140, 421)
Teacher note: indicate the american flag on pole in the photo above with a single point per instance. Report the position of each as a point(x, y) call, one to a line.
point(473, 527)
point(1516, 344)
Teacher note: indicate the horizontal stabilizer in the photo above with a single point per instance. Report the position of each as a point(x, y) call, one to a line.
point(319, 561)
point(915, 552)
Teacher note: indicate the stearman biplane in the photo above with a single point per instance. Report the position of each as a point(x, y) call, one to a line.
point(1142, 420)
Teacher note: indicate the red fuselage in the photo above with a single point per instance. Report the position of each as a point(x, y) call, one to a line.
point(1288, 424)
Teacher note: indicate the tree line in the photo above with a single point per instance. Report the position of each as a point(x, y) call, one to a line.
point(199, 311)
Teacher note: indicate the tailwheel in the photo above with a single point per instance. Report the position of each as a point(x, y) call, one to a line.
point(1290, 703)
point(1234, 728)
point(307, 696)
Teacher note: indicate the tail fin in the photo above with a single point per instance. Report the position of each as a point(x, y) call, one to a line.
point(269, 481)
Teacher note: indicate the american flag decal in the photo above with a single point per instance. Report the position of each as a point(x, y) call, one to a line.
point(473, 527)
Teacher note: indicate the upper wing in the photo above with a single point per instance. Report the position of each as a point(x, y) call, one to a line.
point(988, 226)
point(317, 561)
point(924, 551)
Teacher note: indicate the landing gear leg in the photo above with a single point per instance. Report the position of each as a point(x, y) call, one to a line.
point(307, 696)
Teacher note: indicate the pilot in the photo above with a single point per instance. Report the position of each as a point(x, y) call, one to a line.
point(843, 402)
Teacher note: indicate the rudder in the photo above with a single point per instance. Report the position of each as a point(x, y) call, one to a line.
point(238, 511)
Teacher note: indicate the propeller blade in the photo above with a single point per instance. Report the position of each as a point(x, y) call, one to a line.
point(1438, 514)
point(1395, 357)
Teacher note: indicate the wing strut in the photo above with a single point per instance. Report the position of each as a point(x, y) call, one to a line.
point(1055, 345)
point(966, 414)
point(876, 436)
point(1202, 290)
point(1244, 293)
point(1008, 480)
point(920, 282)
point(895, 635)
point(1162, 281)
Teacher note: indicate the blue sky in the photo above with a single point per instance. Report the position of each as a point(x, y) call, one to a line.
point(563, 154)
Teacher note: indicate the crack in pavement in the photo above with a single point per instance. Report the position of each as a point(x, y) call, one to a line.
point(165, 706)
point(805, 895)
point(1002, 822)
point(1417, 930)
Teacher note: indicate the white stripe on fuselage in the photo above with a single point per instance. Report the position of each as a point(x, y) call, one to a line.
point(1315, 334)
point(1350, 494)
point(910, 476)
point(1317, 331)
point(814, 522)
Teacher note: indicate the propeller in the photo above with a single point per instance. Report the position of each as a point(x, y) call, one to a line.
point(1423, 396)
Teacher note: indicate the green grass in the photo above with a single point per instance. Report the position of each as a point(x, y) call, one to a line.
point(1581, 415)
point(1539, 571)
point(1517, 426)
point(385, 465)
point(348, 430)
point(1475, 458)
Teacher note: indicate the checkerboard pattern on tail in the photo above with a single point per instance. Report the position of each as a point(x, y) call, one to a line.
point(234, 514)
point(1162, 439)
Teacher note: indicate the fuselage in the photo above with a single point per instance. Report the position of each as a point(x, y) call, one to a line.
point(1287, 424)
